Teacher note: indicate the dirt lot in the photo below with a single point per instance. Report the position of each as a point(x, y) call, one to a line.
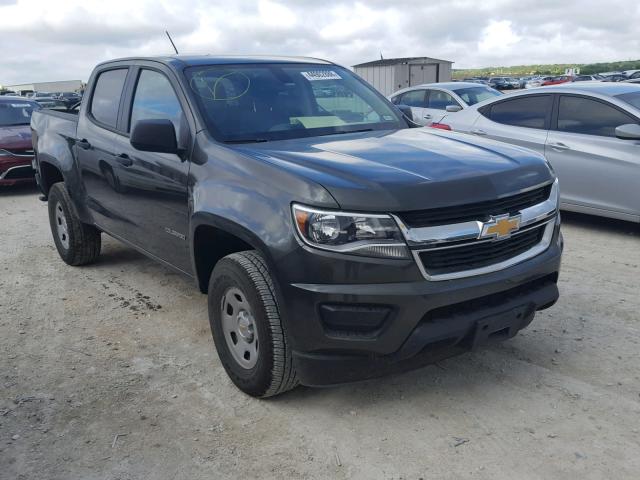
point(109, 372)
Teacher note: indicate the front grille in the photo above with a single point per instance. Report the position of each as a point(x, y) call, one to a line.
point(480, 211)
point(17, 173)
point(480, 254)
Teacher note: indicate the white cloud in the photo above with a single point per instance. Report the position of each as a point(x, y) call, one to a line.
point(63, 39)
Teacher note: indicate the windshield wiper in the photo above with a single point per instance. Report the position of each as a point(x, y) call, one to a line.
point(355, 131)
point(248, 140)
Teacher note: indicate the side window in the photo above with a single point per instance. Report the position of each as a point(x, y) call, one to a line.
point(414, 98)
point(635, 75)
point(527, 111)
point(155, 99)
point(582, 115)
point(440, 100)
point(106, 96)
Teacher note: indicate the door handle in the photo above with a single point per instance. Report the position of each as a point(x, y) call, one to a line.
point(427, 117)
point(83, 144)
point(559, 147)
point(477, 131)
point(124, 160)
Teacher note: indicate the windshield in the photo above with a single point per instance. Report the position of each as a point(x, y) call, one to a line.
point(16, 113)
point(632, 98)
point(252, 103)
point(473, 95)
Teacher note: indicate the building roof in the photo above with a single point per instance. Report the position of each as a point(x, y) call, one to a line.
point(399, 61)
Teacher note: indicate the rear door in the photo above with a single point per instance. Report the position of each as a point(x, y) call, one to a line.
point(595, 169)
point(95, 148)
point(416, 99)
point(154, 186)
point(523, 120)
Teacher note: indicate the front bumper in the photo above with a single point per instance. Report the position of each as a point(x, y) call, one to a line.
point(347, 332)
point(15, 169)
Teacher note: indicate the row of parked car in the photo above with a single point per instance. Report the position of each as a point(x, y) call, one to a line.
point(512, 83)
point(588, 131)
point(66, 100)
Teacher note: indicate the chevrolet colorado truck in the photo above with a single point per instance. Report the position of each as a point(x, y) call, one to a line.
point(336, 242)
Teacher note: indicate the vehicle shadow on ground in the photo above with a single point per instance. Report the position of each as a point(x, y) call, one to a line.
point(601, 224)
point(18, 190)
point(471, 373)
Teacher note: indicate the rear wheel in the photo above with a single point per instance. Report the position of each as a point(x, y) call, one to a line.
point(247, 329)
point(76, 242)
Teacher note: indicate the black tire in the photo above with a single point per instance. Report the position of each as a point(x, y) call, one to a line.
point(273, 372)
point(77, 243)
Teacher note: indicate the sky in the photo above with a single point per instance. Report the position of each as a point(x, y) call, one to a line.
point(46, 40)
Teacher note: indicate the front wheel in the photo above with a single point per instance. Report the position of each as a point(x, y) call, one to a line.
point(247, 329)
point(76, 242)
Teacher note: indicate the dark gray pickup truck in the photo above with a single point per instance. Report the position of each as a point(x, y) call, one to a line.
point(335, 241)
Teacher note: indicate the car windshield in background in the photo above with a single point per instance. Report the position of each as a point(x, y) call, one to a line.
point(253, 103)
point(473, 95)
point(16, 112)
point(632, 98)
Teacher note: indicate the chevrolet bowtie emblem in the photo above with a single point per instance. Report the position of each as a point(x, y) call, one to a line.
point(500, 227)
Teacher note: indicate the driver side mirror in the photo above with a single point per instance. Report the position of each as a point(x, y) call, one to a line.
point(405, 110)
point(154, 135)
point(629, 131)
point(453, 108)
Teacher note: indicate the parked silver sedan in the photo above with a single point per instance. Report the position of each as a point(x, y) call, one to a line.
point(588, 131)
point(431, 101)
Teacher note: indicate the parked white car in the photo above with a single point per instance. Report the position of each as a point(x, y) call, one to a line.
point(431, 101)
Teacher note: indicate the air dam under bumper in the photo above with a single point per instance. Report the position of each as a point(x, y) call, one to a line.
point(422, 327)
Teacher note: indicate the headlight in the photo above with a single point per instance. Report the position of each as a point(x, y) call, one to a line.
point(371, 235)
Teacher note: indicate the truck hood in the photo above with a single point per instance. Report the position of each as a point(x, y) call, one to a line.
point(15, 137)
point(409, 169)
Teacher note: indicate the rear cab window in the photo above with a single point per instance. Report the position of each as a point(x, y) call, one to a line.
point(526, 111)
point(105, 101)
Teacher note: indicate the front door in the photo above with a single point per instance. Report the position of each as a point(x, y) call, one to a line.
point(154, 186)
point(595, 169)
point(437, 103)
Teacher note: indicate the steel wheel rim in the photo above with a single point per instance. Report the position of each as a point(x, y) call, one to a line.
point(239, 328)
point(61, 226)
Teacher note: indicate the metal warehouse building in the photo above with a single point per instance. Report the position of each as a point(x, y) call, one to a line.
point(51, 87)
point(389, 75)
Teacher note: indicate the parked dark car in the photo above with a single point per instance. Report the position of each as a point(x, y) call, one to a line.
point(16, 151)
point(69, 99)
point(504, 83)
point(335, 242)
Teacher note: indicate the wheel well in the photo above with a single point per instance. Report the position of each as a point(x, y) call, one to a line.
point(49, 175)
point(211, 244)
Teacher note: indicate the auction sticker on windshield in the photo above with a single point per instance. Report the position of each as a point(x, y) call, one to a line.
point(321, 75)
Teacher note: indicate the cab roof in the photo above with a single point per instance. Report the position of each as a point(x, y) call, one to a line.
point(181, 61)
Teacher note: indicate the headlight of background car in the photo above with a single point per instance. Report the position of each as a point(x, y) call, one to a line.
point(370, 235)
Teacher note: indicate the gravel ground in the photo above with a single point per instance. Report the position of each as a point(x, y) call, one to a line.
point(109, 372)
